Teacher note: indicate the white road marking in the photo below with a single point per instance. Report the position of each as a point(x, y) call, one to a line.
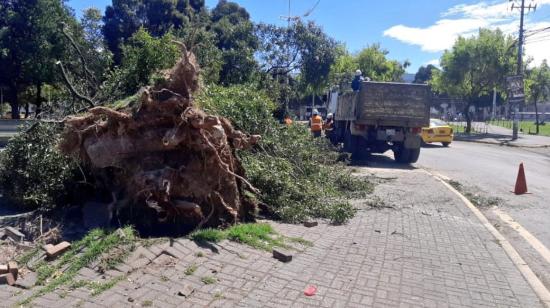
point(521, 265)
point(532, 240)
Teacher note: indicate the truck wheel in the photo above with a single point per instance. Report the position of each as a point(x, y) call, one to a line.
point(406, 156)
point(349, 142)
point(413, 155)
point(400, 154)
point(445, 144)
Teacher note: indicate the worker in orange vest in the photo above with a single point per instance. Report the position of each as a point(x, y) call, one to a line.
point(316, 124)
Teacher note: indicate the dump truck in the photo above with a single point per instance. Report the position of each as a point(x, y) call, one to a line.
point(382, 116)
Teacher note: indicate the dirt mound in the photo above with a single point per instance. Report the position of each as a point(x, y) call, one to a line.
point(165, 155)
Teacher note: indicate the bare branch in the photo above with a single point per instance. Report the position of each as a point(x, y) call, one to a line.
point(88, 100)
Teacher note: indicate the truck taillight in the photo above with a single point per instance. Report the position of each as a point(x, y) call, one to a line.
point(416, 130)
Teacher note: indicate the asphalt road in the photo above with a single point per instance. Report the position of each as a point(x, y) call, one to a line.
point(491, 171)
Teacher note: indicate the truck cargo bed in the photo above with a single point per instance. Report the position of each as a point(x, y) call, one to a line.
point(387, 104)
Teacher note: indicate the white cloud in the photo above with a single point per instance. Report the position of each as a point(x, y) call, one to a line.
point(465, 20)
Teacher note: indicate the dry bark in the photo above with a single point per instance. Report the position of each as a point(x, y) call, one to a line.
point(165, 154)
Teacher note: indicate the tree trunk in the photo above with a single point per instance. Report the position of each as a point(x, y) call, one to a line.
point(27, 110)
point(14, 103)
point(38, 100)
point(536, 117)
point(468, 118)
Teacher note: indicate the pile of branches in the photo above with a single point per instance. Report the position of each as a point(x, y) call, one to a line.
point(165, 156)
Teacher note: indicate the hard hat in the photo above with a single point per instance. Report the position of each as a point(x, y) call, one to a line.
point(329, 116)
point(358, 73)
point(315, 112)
point(367, 79)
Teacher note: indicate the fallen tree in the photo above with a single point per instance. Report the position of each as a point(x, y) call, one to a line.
point(164, 156)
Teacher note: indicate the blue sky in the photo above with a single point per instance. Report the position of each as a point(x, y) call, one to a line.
point(417, 30)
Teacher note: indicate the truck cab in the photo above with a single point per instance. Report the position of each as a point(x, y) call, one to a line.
point(383, 116)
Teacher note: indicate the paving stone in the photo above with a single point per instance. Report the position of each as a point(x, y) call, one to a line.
point(14, 234)
point(53, 251)
point(186, 290)
point(282, 255)
point(310, 224)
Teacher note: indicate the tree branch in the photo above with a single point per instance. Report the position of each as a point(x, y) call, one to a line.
point(87, 72)
point(72, 88)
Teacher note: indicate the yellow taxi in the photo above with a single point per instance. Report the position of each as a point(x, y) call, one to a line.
point(439, 131)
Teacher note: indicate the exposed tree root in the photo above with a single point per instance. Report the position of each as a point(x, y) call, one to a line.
point(166, 155)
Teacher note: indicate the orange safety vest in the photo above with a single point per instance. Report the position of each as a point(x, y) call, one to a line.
point(316, 123)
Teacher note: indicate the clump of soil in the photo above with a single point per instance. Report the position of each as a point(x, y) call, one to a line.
point(162, 160)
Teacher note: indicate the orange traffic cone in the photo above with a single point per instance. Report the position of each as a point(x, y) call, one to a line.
point(521, 183)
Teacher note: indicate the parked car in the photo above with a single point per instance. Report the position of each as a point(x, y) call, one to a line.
point(439, 131)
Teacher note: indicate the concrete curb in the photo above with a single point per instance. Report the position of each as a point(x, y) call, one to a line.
point(536, 146)
point(537, 286)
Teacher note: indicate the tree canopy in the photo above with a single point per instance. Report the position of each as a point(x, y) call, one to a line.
point(537, 87)
point(475, 66)
point(425, 73)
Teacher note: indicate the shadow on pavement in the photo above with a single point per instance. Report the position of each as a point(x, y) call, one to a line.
point(380, 162)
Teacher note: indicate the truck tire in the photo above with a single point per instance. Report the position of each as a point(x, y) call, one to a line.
point(406, 156)
point(413, 155)
point(349, 142)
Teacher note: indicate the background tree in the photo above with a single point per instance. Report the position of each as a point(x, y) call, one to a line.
point(372, 61)
point(424, 74)
point(475, 66)
point(302, 52)
point(124, 17)
point(31, 43)
point(537, 86)
point(236, 40)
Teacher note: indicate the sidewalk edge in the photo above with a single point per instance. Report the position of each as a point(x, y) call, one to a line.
point(521, 265)
point(538, 146)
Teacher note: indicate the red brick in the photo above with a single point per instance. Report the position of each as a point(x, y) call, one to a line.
point(54, 251)
point(7, 279)
point(13, 268)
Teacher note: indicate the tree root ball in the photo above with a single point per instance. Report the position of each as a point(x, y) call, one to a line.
point(164, 155)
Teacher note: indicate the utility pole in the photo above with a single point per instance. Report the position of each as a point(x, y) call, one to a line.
point(521, 8)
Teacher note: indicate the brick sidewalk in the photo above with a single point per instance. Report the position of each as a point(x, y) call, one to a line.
point(429, 250)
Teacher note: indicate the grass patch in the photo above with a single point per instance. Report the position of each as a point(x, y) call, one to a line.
point(190, 269)
point(82, 253)
point(525, 126)
point(147, 303)
point(208, 280)
point(257, 235)
point(100, 287)
point(208, 235)
point(475, 198)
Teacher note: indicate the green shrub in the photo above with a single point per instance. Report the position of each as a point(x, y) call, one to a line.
point(33, 173)
point(297, 174)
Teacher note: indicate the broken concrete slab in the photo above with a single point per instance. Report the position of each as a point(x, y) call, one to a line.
point(3, 269)
point(282, 255)
point(186, 291)
point(7, 279)
point(28, 280)
point(13, 268)
point(14, 234)
point(310, 224)
point(52, 251)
